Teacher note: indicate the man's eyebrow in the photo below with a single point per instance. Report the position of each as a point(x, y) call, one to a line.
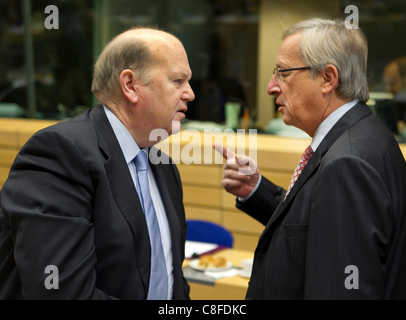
point(282, 65)
point(181, 74)
point(186, 75)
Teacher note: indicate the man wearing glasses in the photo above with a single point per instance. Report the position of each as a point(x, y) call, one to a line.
point(338, 231)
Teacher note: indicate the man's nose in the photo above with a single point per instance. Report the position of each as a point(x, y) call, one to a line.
point(273, 86)
point(189, 95)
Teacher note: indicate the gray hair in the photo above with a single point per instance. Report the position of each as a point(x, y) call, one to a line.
point(330, 42)
point(125, 51)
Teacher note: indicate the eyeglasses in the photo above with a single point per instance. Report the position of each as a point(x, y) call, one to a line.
point(277, 72)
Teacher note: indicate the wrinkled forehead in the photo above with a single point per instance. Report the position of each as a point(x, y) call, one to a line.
point(289, 52)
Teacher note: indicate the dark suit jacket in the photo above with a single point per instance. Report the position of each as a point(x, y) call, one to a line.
point(346, 208)
point(70, 202)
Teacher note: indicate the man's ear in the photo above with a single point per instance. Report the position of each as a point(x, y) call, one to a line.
point(129, 85)
point(330, 78)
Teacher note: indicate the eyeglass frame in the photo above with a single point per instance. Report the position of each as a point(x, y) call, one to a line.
point(286, 70)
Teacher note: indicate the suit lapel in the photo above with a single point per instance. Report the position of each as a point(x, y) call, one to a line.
point(123, 190)
point(354, 115)
point(306, 173)
point(168, 191)
point(163, 187)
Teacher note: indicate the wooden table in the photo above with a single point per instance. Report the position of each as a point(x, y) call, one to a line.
point(233, 288)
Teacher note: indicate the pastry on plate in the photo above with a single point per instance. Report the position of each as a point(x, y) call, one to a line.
point(210, 262)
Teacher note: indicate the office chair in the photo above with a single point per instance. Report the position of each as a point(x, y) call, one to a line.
point(205, 231)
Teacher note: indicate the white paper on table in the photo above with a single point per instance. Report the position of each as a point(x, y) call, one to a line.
point(222, 274)
point(199, 248)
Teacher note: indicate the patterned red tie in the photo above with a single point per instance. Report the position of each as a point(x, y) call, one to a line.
point(307, 154)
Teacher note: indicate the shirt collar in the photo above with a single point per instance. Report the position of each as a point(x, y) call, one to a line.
point(329, 122)
point(126, 141)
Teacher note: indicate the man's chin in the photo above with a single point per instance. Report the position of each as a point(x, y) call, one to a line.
point(287, 120)
point(176, 127)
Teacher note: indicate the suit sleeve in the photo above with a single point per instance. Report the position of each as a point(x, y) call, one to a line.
point(263, 202)
point(348, 232)
point(48, 204)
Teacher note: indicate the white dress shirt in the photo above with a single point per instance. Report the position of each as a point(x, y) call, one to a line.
point(329, 122)
point(130, 150)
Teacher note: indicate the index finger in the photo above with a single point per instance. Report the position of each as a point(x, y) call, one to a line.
point(224, 151)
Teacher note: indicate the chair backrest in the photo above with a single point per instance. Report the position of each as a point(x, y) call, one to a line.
point(204, 231)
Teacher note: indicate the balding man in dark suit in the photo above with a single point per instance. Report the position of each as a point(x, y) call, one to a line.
point(75, 199)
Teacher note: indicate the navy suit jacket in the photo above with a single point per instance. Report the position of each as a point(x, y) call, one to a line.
point(346, 209)
point(70, 202)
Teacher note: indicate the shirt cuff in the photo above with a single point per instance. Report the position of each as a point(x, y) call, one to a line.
point(253, 191)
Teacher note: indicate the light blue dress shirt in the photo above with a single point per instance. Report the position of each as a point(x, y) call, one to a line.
point(130, 150)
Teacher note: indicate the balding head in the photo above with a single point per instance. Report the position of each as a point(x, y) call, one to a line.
point(137, 49)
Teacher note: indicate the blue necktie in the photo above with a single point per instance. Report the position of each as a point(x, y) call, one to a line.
point(158, 280)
